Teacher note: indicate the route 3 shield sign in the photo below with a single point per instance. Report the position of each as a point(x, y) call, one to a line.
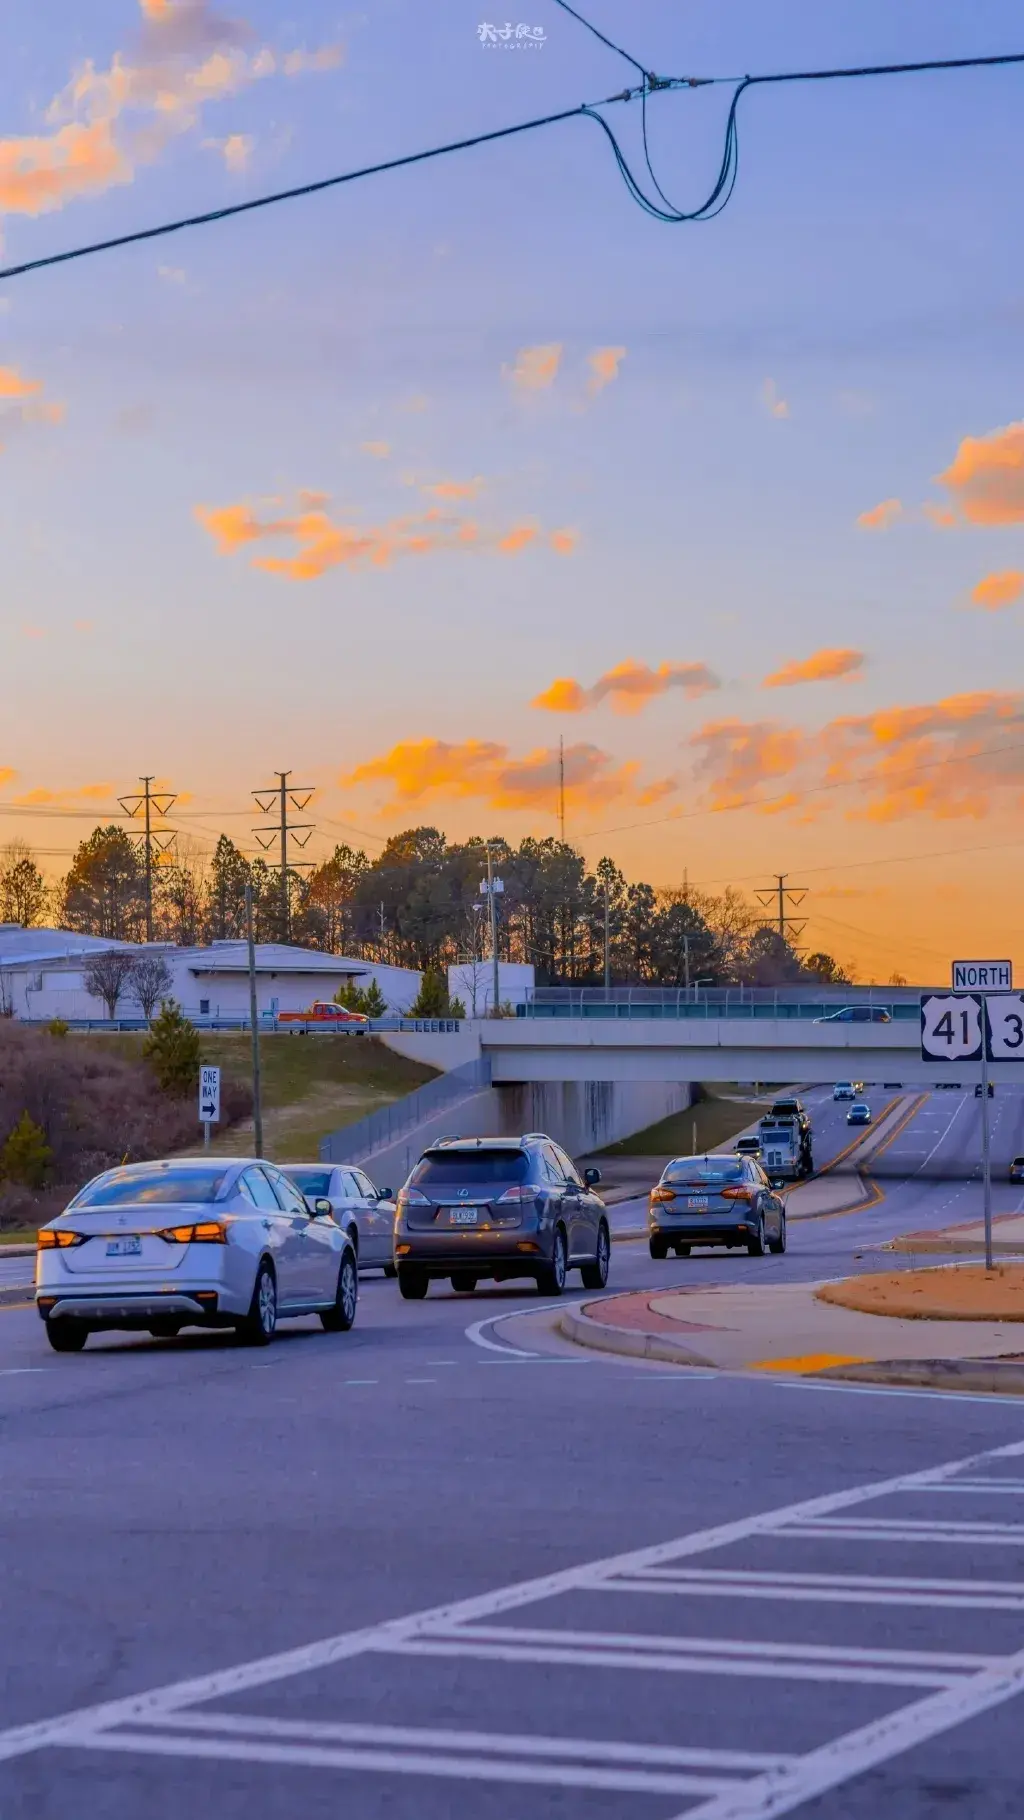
point(951, 1028)
point(1006, 1027)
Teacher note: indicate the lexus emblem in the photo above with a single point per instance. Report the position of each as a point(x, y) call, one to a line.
point(463, 1194)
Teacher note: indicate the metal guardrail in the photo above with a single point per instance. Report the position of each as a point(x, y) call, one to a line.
point(378, 1129)
point(591, 1003)
point(267, 1023)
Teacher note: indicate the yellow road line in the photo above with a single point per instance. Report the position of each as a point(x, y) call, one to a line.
point(808, 1361)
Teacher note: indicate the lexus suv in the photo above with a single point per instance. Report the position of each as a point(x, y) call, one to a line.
point(500, 1208)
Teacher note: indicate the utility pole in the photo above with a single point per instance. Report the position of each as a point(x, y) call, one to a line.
point(779, 896)
point(686, 960)
point(254, 1026)
point(155, 842)
point(561, 789)
point(491, 886)
point(607, 944)
point(284, 797)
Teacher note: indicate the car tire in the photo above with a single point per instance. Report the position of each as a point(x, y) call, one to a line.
point(390, 1270)
point(165, 1330)
point(66, 1335)
point(659, 1248)
point(339, 1318)
point(260, 1324)
point(757, 1246)
point(413, 1284)
point(551, 1279)
point(778, 1246)
point(353, 1233)
point(595, 1275)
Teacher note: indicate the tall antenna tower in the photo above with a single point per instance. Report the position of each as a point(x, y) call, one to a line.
point(284, 797)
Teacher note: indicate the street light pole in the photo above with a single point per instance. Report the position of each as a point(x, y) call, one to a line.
point(492, 905)
point(607, 945)
point(254, 1025)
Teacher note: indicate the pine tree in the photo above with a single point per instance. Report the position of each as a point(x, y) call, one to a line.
point(26, 1156)
point(432, 1000)
point(173, 1050)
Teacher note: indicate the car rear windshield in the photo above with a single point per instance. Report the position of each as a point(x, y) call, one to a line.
point(704, 1174)
point(124, 1187)
point(311, 1181)
point(470, 1168)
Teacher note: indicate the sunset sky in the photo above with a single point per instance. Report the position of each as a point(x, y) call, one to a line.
point(398, 485)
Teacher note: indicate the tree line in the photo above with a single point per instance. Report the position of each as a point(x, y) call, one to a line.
point(419, 904)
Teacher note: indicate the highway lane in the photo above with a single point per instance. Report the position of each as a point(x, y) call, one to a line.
point(174, 1510)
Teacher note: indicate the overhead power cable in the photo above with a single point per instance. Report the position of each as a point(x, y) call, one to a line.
point(657, 206)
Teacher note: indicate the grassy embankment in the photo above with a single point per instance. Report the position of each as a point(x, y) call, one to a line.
point(716, 1117)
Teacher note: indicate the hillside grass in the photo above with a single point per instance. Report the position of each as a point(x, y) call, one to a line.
point(715, 1118)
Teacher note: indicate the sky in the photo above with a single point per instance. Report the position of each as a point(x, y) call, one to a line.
point(400, 485)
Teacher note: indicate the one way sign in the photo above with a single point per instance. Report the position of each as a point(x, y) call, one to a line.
point(209, 1095)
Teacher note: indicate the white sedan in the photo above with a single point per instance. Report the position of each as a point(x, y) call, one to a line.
point(367, 1213)
point(154, 1247)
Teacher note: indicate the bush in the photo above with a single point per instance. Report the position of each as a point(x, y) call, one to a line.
point(173, 1050)
point(371, 1001)
point(26, 1156)
point(58, 1026)
point(432, 1000)
point(456, 1008)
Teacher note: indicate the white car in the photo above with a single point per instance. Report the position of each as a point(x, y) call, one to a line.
point(154, 1247)
point(843, 1090)
point(367, 1213)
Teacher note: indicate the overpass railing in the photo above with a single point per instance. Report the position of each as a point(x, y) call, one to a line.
point(686, 1002)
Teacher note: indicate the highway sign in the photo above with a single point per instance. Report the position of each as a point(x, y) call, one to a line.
point(1005, 1016)
point(209, 1094)
point(951, 1027)
point(982, 976)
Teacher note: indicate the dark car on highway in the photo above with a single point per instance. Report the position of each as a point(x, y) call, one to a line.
point(715, 1200)
point(1017, 1169)
point(857, 1014)
point(500, 1208)
point(859, 1114)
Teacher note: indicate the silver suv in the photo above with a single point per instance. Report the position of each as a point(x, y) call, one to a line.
point(500, 1208)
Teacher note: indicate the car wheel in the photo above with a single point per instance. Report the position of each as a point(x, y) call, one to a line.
point(756, 1246)
point(260, 1324)
point(659, 1248)
point(340, 1318)
point(595, 1275)
point(66, 1335)
point(682, 1251)
point(464, 1281)
point(551, 1279)
point(165, 1330)
point(413, 1284)
point(390, 1270)
point(778, 1245)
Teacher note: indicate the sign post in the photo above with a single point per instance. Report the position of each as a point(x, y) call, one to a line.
point(209, 1100)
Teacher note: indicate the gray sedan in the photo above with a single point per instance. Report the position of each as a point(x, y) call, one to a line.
point(367, 1213)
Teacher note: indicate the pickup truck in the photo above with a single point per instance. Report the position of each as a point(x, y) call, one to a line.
point(322, 1011)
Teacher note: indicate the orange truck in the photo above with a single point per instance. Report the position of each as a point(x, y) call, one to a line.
point(322, 1011)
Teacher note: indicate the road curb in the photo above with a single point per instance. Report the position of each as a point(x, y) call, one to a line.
point(632, 1342)
point(21, 1296)
point(17, 1251)
point(1003, 1377)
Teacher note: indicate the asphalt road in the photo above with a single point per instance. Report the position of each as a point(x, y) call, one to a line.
point(415, 1570)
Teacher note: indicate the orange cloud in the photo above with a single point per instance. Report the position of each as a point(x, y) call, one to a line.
point(939, 516)
point(772, 399)
point(999, 589)
point(7, 775)
point(881, 516)
point(604, 366)
point(629, 685)
point(535, 368)
point(13, 385)
point(986, 477)
point(235, 151)
point(415, 770)
point(821, 666)
point(379, 450)
point(954, 757)
point(455, 489)
point(85, 793)
point(108, 122)
point(320, 542)
point(563, 541)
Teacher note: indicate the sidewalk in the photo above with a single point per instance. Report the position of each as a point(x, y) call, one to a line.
point(785, 1329)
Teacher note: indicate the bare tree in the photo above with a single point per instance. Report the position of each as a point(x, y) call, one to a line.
point(107, 975)
point(150, 982)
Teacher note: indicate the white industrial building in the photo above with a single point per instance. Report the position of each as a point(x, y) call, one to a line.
point(42, 976)
point(473, 983)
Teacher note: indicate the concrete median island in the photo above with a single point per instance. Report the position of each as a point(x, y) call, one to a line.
point(965, 1292)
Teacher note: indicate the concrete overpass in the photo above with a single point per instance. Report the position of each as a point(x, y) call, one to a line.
point(717, 1049)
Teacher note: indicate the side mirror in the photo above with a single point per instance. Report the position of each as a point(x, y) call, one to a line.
point(385, 1194)
point(322, 1209)
point(591, 1177)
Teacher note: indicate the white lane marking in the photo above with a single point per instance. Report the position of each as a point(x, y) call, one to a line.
point(944, 1133)
point(1006, 1487)
point(969, 1539)
point(784, 1593)
point(421, 1380)
point(537, 1358)
point(646, 1641)
point(23, 1371)
point(505, 1744)
point(408, 1763)
point(753, 1667)
point(259, 1672)
point(475, 1332)
point(893, 1390)
point(903, 1526)
point(780, 1791)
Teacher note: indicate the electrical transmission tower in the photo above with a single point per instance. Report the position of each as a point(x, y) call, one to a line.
point(779, 896)
point(155, 842)
point(283, 797)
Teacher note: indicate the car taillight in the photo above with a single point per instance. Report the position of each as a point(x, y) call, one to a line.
point(519, 1193)
point(663, 1194)
point(207, 1232)
point(51, 1239)
point(736, 1194)
point(411, 1197)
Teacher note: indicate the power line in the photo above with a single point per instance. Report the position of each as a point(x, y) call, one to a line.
point(617, 48)
point(712, 205)
point(283, 797)
point(155, 843)
point(780, 894)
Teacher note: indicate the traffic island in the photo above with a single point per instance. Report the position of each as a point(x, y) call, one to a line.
point(964, 1292)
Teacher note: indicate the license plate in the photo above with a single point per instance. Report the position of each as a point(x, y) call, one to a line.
point(124, 1248)
point(462, 1216)
point(699, 1202)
